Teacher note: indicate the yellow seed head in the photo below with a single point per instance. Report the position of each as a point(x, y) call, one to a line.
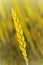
point(20, 36)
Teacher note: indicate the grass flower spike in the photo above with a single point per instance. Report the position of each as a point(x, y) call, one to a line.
point(20, 36)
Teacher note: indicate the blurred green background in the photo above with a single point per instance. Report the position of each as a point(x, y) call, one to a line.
point(31, 15)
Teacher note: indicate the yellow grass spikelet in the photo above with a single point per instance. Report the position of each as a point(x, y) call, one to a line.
point(20, 36)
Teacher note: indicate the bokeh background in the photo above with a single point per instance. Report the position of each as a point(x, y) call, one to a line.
point(30, 12)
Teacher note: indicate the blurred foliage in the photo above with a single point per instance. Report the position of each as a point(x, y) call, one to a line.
point(30, 14)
